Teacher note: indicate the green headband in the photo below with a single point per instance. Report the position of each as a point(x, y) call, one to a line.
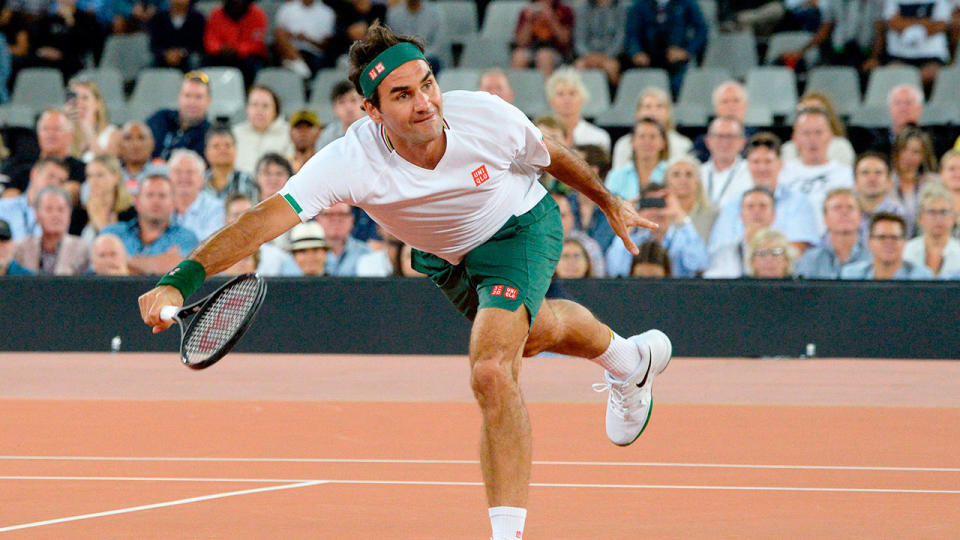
point(385, 62)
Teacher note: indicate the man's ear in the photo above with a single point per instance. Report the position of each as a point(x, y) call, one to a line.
point(372, 111)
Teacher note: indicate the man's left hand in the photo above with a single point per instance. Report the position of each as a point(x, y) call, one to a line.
point(623, 217)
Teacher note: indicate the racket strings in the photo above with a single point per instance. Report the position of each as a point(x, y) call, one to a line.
point(217, 324)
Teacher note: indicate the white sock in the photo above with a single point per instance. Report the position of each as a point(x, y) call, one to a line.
point(507, 522)
point(620, 358)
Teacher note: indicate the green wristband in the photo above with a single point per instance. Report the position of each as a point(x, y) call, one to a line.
point(186, 277)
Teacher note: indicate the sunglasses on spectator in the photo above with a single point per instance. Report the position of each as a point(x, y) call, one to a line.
point(938, 212)
point(197, 75)
point(886, 237)
point(773, 252)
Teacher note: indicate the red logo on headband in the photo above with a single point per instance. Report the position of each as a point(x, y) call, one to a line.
point(480, 175)
point(373, 74)
point(379, 67)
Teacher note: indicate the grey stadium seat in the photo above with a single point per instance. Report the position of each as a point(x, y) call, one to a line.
point(38, 88)
point(18, 116)
point(883, 79)
point(840, 83)
point(784, 42)
point(632, 82)
point(110, 83)
point(757, 116)
point(774, 88)
point(940, 114)
point(287, 85)
point(528, 91)
point(946, 86)
point(709, 10)
point(482, 52)
point(227, 91)
point(596, 82)
point(460, 19)
point(320, 88)
point(500, 21)
point(698, 85)
point(128, 53)
point(870, 116)
point(736, 52)
point(156, 88)
point(691, 114)
point(459, 79)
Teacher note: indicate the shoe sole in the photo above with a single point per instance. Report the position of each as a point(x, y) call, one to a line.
point(650, 410)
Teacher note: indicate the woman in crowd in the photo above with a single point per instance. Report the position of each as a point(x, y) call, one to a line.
point(935, 248)
point(950, 176)
point(649, 163)
point(574, 261)
point(683, 179)
point(770, 254)
point(653, 102)
point(652, 261)
point(93, 134)
point(105, 199)
point(264, 130)
point(840, 149)
point(912, 165)
point(566, 95)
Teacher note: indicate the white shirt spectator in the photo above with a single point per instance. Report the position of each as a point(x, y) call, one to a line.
point(728, 185)
point(815, 181)
point(587, 133)
point(252, 145)
point(840, 150)
point(916, 252)
point(913, 41)
point(316, 21)
point(203, 217)
point(623, 148)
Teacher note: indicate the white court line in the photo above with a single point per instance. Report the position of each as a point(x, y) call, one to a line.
point(159, 505)
point(475, 462)
point(302, 483)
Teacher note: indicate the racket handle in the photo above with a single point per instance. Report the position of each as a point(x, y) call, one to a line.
point(167, 313)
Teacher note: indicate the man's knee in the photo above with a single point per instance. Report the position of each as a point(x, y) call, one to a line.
point(490, 378)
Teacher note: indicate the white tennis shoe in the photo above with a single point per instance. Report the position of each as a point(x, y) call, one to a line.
point(631, 400)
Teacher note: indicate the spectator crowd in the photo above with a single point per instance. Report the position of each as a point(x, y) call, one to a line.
point(799, 198)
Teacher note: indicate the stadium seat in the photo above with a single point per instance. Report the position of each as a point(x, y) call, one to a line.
point(38, 88)
point(736, 52)
point(596, 82)
point(460, 20)
point(18, 116)
point(481, 52)
point(940, 114)
point(774, 88)
point(870, 116)
point(287, 85)
point(227, 90)
point(110, 83)
point(528, 91)
point(784, 42)
point(500, 21)
point(632, 82)
point(156, 88)
point(758, 116)
point(946, 86)
point(840, 83)
point(883, 79)
point(698, 85)
point(459, 79)
point(691, 114)
point(320, 88)
point(128, 53)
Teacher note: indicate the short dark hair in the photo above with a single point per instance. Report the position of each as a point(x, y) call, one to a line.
point(888, 216)
point(273, 95)
point(378, 39)
point(341, 89)
point(872, 154)
point(51, 160)
point(652, 252)
point(220, 129)
point(273, 158)
point(596, 156)
point(763, 139)
point(758, 189)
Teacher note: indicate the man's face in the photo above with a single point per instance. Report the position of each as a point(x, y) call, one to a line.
point(886, 242)
point(304, 136)
point(311, 260)
point(725, 140)
point(337, 222)
point(187, 178)
point(136, 144)
point(812, 135)
point(221, 150)
point(193, 100)
point(764, 165)
point(155, 201)
point(841, 213)
point(348, 108)
point(235, 208)
point(48, 175)
point(732, 102)
point(54, 134)
point(498, 85)
point(411, 105)
point(872, 177)
point(937, 218)
point(108, 257)
point(904, 108)
point(756, 211)
point(53, 214)
point(270, 178)
point(660, 216)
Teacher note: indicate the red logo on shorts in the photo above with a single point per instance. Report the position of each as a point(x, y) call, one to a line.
point(497, 290)
point(480, 175)
point(510, 293)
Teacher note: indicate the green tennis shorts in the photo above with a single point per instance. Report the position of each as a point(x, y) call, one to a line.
point(513, 268)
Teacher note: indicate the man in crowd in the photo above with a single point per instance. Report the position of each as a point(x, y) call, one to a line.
point(194, 208)
point(345, 250)
point(841, 245)
point(888, 237)
point(726, 175)
point(19, 211)
point(347, 107)
point(8, 266)
point(873, 188)
point(108, 257)
point(222, 179)
point(309, 248)
point(304, 134)
point(53, 251)
point(757, 213)
point(135, 150)
point(495, 81)
point(54, 136)
point(185, 127)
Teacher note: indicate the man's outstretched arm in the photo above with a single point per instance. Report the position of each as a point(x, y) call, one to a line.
point(240, 239)
point(576, 173)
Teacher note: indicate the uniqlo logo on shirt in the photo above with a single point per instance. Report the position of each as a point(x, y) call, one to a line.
point(510, 293)
point(497, 290)
point(480, 175)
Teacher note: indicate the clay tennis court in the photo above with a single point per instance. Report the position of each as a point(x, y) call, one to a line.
point(384, 447)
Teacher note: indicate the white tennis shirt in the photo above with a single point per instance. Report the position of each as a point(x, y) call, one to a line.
point(487, 174)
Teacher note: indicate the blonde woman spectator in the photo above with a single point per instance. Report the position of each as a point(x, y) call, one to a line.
point(913, 165)
point(263, 131)
point(950, 176)
point(770, 254)
point(93, 134)
point(840, 149)
point(574, 261)
point(53, 252)
point(649, 163)
point(105, 198)
point(566, 95)
point(935, 248)
point(108, 257)
point(684, 182)
point(653, 103)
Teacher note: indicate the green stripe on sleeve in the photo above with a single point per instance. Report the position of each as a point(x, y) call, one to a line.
point(293, 203)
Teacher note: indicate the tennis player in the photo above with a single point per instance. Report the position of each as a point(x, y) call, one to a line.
point(455, 175)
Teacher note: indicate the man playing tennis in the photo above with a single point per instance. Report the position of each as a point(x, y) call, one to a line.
point(455, 176)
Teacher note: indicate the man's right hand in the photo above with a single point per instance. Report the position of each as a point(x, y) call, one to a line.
point(153, 300)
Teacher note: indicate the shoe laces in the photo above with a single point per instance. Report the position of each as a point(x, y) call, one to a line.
point(624, 397)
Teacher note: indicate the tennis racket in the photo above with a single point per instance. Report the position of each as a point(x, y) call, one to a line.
point(220, 319)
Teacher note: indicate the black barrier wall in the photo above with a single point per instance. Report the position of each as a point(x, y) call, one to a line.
point(409, 316)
